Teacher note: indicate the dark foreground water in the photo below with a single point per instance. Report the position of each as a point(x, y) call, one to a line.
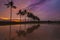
point(31, 32)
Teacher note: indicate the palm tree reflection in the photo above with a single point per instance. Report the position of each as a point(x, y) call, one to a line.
point(21, 32)
point(28, 30)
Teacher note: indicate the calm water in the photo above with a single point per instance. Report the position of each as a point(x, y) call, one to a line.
point(36, 32)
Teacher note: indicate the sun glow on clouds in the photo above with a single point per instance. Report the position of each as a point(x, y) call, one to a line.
point(3, 18)
point(14, 19)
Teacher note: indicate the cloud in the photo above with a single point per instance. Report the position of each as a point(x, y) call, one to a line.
point(38, 2)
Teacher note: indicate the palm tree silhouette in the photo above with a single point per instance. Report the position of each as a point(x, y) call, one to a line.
point(36, 18)
point(21, 13)
point(30, 15)
point(11, 5)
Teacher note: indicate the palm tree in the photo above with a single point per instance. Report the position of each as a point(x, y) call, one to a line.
point(21, 13)
point(30, 15)
point(36, 18)
point(11, 5)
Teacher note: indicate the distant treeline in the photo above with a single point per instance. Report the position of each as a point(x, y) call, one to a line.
point(7, 22)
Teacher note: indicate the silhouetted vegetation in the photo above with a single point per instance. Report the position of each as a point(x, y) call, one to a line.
point(22, 12)
point(30, 15)
point(10, 4)
point(27, 22)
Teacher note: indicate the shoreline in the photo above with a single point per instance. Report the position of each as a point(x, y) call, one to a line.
point(29, 22)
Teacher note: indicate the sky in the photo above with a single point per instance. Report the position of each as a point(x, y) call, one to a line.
point(44, 9)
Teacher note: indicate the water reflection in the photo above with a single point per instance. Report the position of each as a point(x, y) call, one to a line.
point(34, 27)
point(21, 32)
point(28, 30)
point(32, 32)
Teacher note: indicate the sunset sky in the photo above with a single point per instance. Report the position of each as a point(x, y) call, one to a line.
point(44, 9)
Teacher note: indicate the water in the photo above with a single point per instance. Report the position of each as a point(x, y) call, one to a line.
point(37, 32)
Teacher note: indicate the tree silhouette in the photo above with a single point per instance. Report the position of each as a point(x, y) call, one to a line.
point(10, 4)
point(30, 15)
point(36, 18)
point(22, 12)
